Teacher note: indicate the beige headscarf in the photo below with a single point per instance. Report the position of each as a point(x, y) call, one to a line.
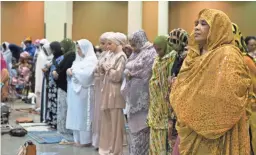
point(118, 38)
point(105, 36)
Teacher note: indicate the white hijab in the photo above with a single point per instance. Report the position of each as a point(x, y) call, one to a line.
point(7, 54)
point(83, 67)
point(42, 59)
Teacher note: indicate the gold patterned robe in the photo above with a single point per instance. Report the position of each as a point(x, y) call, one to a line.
point(210, 95)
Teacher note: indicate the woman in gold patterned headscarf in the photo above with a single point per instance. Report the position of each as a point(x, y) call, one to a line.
point(250, 62)
point(210, 94)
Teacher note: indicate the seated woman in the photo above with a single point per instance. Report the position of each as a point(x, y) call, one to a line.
point(24, 73)
point(80, 93)
point(4, 80)
point(210, 95)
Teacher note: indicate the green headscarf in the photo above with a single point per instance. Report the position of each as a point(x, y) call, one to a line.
point(162, 42)
point(68, 45)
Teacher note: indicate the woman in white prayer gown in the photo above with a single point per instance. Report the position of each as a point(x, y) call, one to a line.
point(80, 93)
point(44, 61)
point(39, 75)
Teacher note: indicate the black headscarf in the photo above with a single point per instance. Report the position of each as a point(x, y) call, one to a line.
point(56, 49)
point(16, 50)
point(68, 47)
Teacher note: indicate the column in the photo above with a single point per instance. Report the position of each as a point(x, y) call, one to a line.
point(58, 18)
point(134, 16)
point(163, 15)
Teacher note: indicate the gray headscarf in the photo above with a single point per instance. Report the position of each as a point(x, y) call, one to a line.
point(138, 39)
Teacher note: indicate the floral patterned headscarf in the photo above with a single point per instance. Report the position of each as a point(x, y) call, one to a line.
point(138, 39)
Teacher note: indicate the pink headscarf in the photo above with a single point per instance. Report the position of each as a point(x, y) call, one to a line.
point(3, 63)
point(37, 42)
point(24, 55)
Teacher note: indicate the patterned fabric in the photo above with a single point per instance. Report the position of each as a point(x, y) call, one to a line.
point(62, 112)
point(4, 84)
point(139, 67)
point(159, 112)
point(239, 39)
point(210, 100)
point(159, 144)
point(178, 39)
point(138, 39)
point(52, 96)
point(140, 142)
point(253, 131)
point(53, 67)
point(52, 106)
point(240, 43)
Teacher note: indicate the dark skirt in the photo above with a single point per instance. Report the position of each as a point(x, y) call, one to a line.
point(44, 101)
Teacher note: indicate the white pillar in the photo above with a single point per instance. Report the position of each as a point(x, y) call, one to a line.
point(56, 14)
point(134, 16)
point(163, 15)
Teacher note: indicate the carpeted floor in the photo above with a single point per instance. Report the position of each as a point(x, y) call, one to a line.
point(10, 145)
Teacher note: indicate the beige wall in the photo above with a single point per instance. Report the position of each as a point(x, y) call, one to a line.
point(150, 19)
point(183, 14)
point(21, 19)
point(91, 19)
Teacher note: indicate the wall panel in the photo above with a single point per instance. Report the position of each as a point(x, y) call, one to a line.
point(21, 19)
point(150, 19)
point(91, 19)
point(183, 14)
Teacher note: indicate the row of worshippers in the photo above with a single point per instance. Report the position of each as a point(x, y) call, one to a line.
point(209, 102)
point(85, 96)
point(19, 67)
point(143, 81)
point(202, 107)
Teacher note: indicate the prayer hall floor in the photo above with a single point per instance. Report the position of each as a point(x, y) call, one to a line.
point(10, 145)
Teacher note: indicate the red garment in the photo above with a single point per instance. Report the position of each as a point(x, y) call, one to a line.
point(3, 63)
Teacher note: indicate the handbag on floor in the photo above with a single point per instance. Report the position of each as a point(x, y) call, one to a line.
point(18, 132)
point(29, 148)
